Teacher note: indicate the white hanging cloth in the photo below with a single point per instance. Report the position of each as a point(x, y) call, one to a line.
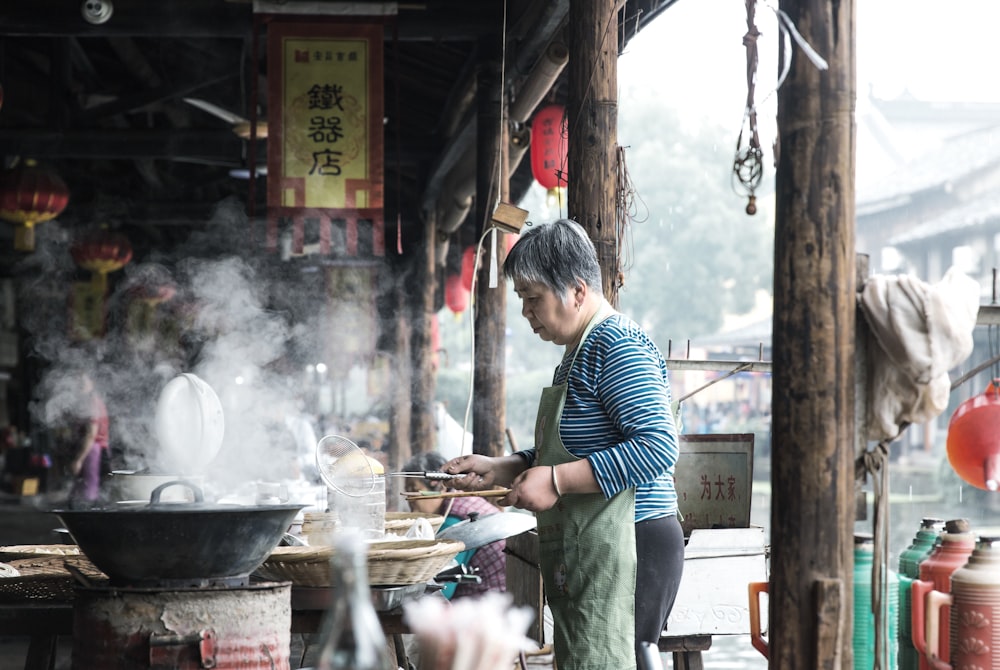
point(924, 330)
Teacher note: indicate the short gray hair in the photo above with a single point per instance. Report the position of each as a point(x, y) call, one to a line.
point(557, 254)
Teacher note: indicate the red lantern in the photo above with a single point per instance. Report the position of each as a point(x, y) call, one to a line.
point(548, 146)
point(511, 241)
point(468, 267)
point(456, 296)
point(30, 194)
point(435, 342)
point(101, 252)
point(973, 449)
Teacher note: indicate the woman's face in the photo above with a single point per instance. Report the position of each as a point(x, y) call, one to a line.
point(418, 505)
point(552, 317)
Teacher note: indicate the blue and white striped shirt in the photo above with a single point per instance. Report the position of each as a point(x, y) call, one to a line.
point(617, 415)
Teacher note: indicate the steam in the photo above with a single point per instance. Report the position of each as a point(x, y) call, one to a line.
point(248, 326)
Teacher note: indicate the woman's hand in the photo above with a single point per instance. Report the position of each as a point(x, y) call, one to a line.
point(479, 470)
point(532, 490)
point(483, 472)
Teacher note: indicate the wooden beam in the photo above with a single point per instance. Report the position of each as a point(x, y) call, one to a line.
point(489, 416)
point(592, 116)
point(212, 147)
point(813, 389)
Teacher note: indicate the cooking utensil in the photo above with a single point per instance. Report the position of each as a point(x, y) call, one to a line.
point(178, 545)
point(430, 476)
point(432, 495)
point(128, 485)
point(345, 467)
point(189, 424)
point(480, 529)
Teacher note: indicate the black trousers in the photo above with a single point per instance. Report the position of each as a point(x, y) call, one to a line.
point(659, 545)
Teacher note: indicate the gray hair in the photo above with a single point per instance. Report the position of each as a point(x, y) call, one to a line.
point(557, 255)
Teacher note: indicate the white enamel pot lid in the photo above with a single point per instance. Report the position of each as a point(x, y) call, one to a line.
point(189, 424)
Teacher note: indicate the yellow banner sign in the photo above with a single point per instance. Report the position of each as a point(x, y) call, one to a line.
point(325, 135)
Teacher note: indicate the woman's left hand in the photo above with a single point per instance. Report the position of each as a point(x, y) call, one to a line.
point(532, 490)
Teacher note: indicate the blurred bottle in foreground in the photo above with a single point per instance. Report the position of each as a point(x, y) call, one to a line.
point(352, 637)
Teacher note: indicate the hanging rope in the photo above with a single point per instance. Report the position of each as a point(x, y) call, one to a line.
point(497, 174)
point(876, 463)
point(748, 169)
point(399, 143)
point(626, 210)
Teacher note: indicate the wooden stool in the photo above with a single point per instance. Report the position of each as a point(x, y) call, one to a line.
point(686, 650)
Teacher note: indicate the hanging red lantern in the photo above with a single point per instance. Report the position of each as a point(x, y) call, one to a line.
point(29, 195)
point(511, 241)
point(973, 450)
point(456, 296)
point(435, 342)
point(468, 267)
point(549, 139)
point(101, 252)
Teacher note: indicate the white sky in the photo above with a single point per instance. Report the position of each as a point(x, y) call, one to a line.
point(692, 59)
point(693, 56)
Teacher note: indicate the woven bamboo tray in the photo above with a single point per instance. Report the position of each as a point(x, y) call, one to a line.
point(389, 564)
point(400, 522)
point(46, 578)
point(15, 551)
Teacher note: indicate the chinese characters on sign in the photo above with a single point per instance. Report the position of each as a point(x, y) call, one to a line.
point(548, 146)
point(714, 480)
point(325, 158)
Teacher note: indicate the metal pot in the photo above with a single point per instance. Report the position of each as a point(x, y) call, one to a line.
point(178, 545)
point(129, 485)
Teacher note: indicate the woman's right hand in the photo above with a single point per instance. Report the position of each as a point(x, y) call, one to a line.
point(484, 472)
point(480, 472)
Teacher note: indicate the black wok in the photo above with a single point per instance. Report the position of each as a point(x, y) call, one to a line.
point(178, 544)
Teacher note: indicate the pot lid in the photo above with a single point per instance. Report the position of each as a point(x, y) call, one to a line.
point(189, 424)
point(481, 530)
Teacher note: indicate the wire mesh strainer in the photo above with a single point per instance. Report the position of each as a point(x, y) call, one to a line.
point(344, 466)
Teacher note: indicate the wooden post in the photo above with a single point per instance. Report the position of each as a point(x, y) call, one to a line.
point(489, 416)
point(812, 472)
point(592, 119)
point(422, 433)
point(400, 398)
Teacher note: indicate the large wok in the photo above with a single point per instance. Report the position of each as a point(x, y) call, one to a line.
point(178, 545)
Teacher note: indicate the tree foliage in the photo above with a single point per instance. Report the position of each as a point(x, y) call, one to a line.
point(692, 253)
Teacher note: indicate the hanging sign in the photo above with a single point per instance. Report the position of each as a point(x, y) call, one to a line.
point(325, 137)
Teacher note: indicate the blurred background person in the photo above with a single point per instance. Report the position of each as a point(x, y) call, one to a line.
point(90, 428)
point(488, 561)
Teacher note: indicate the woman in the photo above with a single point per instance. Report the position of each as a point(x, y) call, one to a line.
point(600, 477)
point(488, 561)
point(91, 443)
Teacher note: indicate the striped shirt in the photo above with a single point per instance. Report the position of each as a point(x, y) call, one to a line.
point(617, 415)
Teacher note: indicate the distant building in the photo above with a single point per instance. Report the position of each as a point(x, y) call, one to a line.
point(937, 206)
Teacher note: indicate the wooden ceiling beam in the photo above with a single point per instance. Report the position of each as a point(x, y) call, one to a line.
point(211, 147)
point(440, 20)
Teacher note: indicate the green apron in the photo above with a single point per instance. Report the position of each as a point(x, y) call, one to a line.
point(587, 555)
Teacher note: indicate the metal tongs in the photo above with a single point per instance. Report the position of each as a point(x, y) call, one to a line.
point(430, 476)
point(432, 495)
